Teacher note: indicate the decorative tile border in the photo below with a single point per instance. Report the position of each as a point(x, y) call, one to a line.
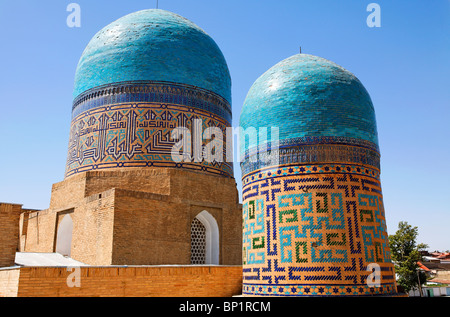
point(309, 169)
point(311, 153)
point(318, 290)
point(152, 92)
point(136, 135)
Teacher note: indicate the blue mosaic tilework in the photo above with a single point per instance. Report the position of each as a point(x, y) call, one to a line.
point(305, 141)
point(324, 224)
point(321, 203)
point(303, 154)
point(318, 290)
point(161, 92)
point(308, 96)
point(309, 169)
point(373, 226)
point(136, 135)
point(153, 45)
point(254, 248)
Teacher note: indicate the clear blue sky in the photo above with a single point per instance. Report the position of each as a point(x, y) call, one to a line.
point(404, 64)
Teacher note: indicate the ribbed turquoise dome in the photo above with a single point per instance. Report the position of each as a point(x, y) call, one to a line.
point(308, 96)
point(153, 45)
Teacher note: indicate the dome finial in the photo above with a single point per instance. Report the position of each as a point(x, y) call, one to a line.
point(300, 49)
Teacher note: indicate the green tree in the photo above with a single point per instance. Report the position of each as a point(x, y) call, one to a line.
point(405, 253)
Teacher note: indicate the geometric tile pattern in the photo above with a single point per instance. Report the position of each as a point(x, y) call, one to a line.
point(314, 233)
point(313, 214)
point(153, 92)
point(311, 169)
point(318, 290)
point(133, 129)
point(313, 150)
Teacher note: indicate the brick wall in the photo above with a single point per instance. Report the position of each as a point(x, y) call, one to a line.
point(93, 229)
point(137, 217)
point(145, 180)
point(40, 231)
point(23, 230)
point(9, 282)
point(160, 232)
point(145, 281)
point(161, 229)
point(68, 194)
point(188, 185)
point(9, 233)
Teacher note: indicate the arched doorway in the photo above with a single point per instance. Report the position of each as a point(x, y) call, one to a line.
point(204, 239)
point(64, 236)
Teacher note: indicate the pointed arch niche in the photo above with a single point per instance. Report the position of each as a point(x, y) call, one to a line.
point(205, 246)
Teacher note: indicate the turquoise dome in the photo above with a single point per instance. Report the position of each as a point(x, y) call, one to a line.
point(153, 45)
point(309, 96)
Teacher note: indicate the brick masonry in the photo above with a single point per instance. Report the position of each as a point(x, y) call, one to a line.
point(9, 233)
point(137, 217)
point(142, 281)
point(9, 282)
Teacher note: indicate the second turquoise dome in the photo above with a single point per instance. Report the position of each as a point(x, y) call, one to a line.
point(153, 45)
point(309, 96)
